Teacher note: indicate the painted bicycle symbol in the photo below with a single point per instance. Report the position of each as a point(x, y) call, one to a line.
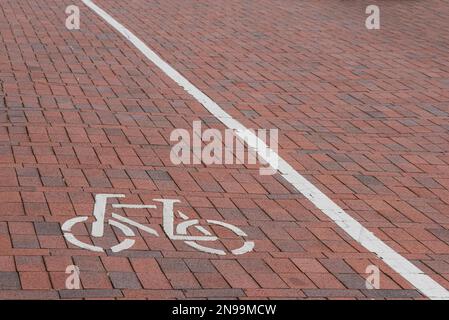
point(178, 232)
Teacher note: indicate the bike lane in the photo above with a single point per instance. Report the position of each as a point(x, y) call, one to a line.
point(109, 134)
point(434, 220)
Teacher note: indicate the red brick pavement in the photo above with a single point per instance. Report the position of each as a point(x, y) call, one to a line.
point(362, 114)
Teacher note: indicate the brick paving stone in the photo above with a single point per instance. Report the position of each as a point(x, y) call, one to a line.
point(234, 274)
point(27, 263)
point(182, 280)
point(159, 175)
point(93, 293)
point(57, 263)
point(211, 280)
point(119, 264)
point(3, 228)
point(35, 280)
point(336, 266)
point(47, 228)
point(150, 274)
point(269, 280)
point(172, 265)
point(153, 294)
point(255, 265)
point(25, 241)
point(200, 265)
point(124, 280)
point(21, 228)
point(7, 263)
point(282, 265)
point(58, 280)
point(215, 293)
point(309, 265)
point(29, 294)
point(352, 281)
point(88, 263)
point(398, 294)
point(9, 280)
point(153, 280)
point(324, 280)
point(297, 280)
point(275, 293)
point(94, 280)
point(333, 293)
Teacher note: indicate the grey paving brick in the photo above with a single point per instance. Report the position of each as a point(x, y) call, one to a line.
point(9, 280)
point(124, 280)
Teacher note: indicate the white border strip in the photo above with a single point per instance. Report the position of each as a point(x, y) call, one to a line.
point(402, 266)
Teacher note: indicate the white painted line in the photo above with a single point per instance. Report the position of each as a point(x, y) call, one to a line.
point(136, 224)
point(402, 266)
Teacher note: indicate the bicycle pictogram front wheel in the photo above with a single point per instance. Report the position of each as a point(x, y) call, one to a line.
point(182, 229)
